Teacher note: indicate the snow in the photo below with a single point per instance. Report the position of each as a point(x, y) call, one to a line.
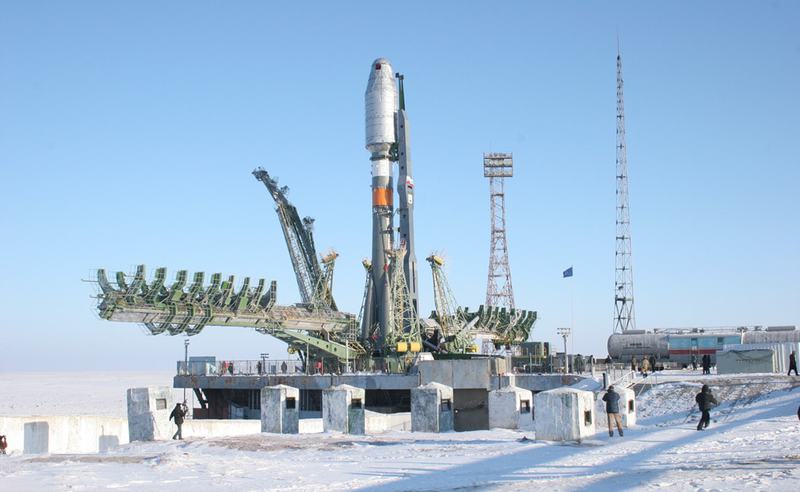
point(753, 445)
point(74, 393)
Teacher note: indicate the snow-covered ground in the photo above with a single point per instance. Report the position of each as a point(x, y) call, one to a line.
point(74, 393)
point(753, 445)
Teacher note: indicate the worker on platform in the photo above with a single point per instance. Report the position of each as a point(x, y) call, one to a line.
point(178, 414)
point(612, 410)
point(706, 401)
point(284, 367)
point(792, 364)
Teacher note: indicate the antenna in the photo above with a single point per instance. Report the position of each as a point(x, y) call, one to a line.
point(624, 318)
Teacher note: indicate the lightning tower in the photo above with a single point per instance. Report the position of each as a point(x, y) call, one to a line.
point(499, 292)
point(624, 318)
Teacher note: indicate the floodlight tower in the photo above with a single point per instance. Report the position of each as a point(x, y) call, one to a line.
point(499, 292)
point(624, 318)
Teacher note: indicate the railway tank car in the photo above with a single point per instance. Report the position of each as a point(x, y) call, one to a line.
point(678, 344)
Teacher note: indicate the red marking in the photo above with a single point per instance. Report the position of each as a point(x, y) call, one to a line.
point(690, 352)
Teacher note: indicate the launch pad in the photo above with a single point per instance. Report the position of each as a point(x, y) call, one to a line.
point(388, 335)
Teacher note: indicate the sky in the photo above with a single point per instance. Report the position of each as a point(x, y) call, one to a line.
point(128, 132)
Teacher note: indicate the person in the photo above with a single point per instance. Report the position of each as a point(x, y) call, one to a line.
point(694, 361)
point(230, 368)
point(653, 363)
point(706, 401)
point(4, 443)
point(318, 366)
point(612, 409)
point(706, 364)
point(178, 414)
point(259, 368)
point(579, 364)
point(792, 364)
point(633, 364)
point(284, 367)
point(645, 366)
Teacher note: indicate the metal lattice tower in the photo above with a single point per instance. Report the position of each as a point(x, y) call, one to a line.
point(624, 318)
point(499, 292)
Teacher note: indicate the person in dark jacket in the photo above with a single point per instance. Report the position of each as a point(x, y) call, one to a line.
point(612, 409)
point(178, 414)
point(4, 441)
point(706, 401)
point(792, 364)
point(694, 362)
point(706, 364)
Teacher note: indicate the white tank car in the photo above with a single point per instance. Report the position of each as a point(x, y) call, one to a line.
point(623, 347)
point(773, 334)
point(678, 344)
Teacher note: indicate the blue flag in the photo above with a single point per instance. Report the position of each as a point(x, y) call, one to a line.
point(568, 272)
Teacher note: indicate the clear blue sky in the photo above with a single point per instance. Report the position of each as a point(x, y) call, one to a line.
point(128, 133)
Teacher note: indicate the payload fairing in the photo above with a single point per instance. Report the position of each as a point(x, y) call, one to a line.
point(387, 141)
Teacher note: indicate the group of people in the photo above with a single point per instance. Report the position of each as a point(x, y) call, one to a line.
point(580, 362)
point(705, 402)
point(647, 365)
point(706, 363)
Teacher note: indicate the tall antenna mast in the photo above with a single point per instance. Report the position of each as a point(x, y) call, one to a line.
point(624, 318)
point(499, 292)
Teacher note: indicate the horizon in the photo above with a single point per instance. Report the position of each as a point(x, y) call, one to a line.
point(131, 131)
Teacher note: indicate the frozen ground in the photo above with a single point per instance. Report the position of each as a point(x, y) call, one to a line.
point(74, 393)
point(753, 445)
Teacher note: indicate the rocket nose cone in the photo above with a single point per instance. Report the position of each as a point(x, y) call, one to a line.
point(382, 64)
point(381, 68)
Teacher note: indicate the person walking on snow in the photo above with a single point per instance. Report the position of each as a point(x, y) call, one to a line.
point(706, 401)
point(612, 409)
point(792, 364)
point(178, 414)
point(694, 362)
point(706, 364)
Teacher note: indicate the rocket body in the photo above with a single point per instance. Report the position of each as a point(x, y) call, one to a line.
point(380, 102)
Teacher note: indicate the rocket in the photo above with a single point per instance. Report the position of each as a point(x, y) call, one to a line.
point(387, 141)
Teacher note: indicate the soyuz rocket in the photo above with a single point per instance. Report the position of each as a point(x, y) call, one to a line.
point(387, 140)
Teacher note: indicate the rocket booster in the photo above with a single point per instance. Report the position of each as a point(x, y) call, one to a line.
point(380, 103)
point(387, 141)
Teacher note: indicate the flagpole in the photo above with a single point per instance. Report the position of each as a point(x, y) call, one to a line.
point(572, 313)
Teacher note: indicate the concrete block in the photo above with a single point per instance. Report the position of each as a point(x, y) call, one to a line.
point(564, 414)
point(203, 428)
point(471, 373)
point(511, 408)
point(627, 408)
point(37, 437)
point(432, 408)
point(343, 409)
point(385, 422)
point(148, 413)
point(280, 409)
